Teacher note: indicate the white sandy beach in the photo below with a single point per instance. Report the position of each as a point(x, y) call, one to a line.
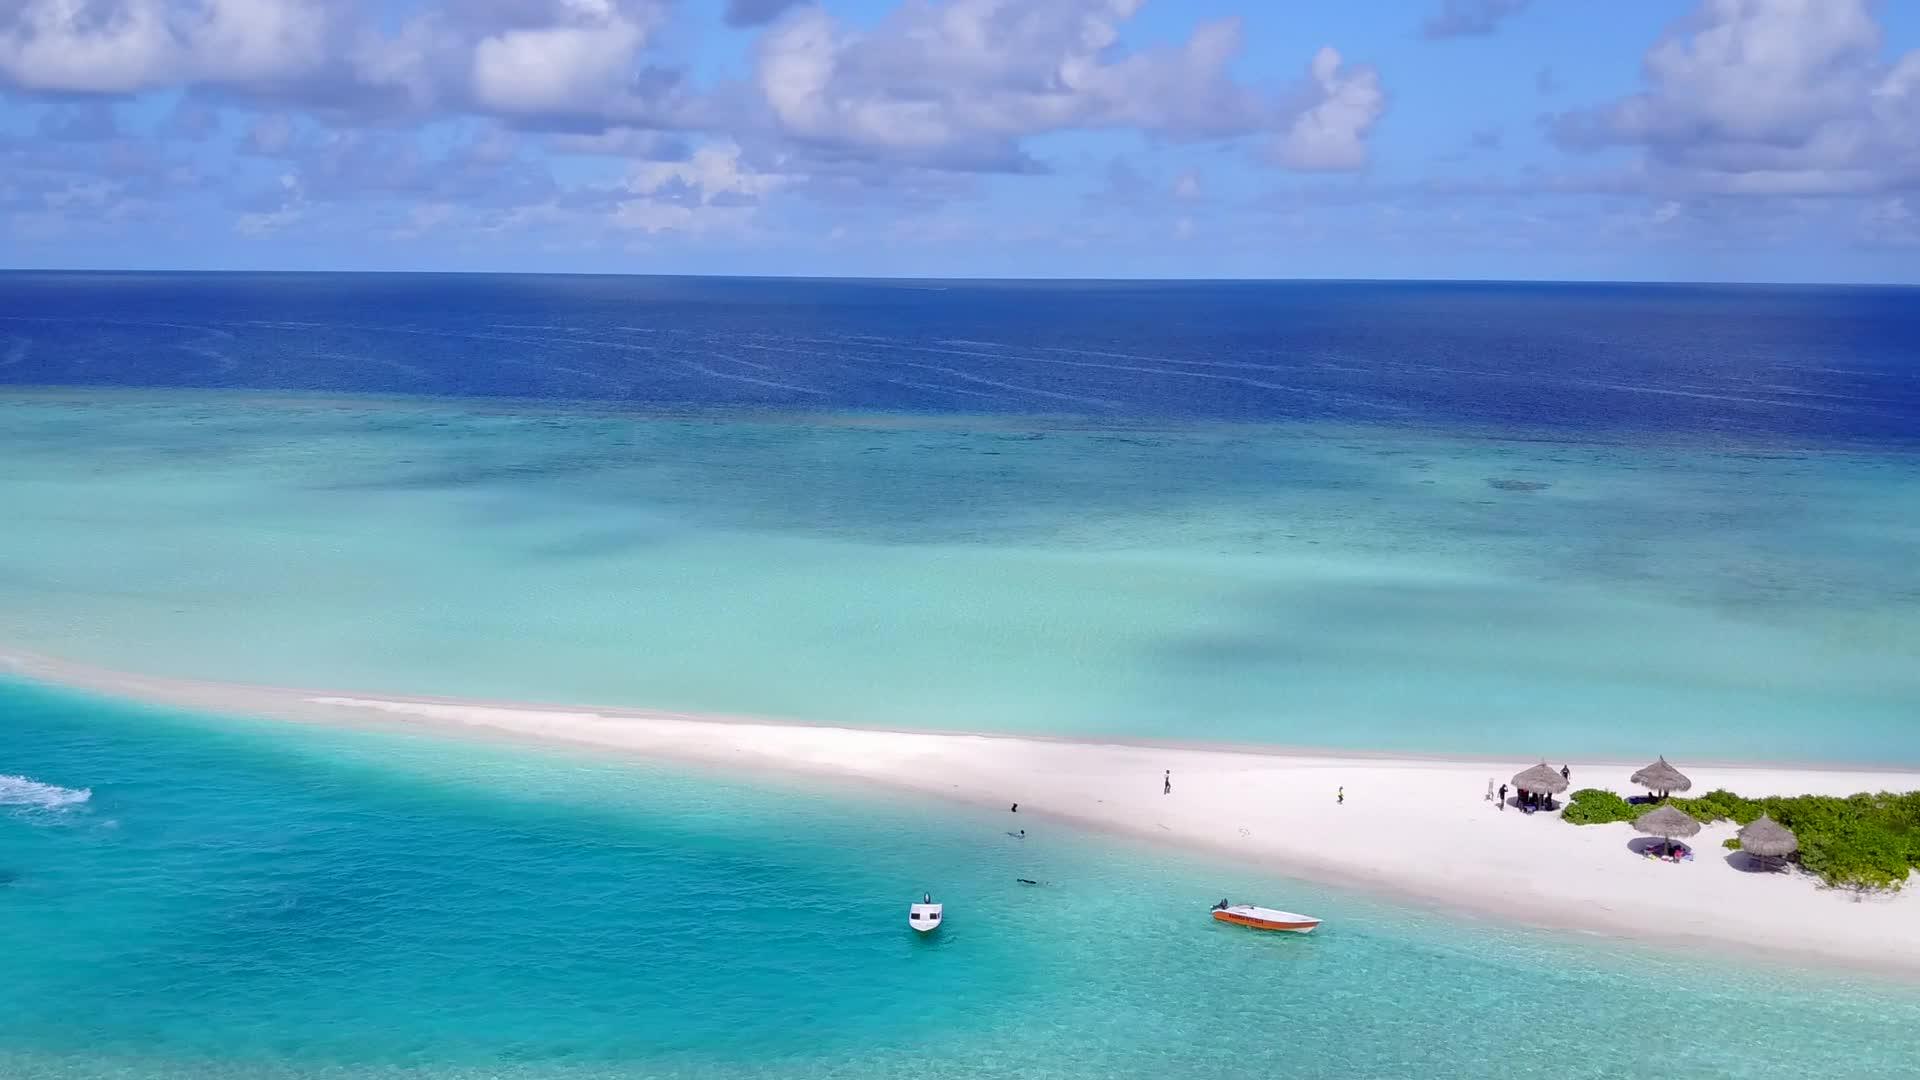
point(1417, 828)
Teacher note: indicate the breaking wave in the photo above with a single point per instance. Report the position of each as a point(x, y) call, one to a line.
point(34, 795)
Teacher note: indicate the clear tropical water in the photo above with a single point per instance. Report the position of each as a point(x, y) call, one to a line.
point(187, 896)
point(1493, 518)
point(1254, 582)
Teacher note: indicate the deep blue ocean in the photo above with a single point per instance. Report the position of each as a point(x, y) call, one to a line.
point(1513, 519)
point(1818, 364)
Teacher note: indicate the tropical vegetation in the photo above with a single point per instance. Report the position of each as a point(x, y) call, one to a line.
point(1865, 841)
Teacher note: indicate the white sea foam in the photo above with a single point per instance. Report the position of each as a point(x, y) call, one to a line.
point(32, 794)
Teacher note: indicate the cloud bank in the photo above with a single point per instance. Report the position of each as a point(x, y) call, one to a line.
point(921, 125)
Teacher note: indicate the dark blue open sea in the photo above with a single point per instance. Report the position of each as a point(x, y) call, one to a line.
point(1476, 518)
point(1819, 365)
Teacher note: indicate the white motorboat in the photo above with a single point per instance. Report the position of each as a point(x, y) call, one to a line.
point(926, 915)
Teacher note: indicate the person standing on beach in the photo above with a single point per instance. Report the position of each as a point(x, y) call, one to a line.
point(1566, 774)
point(1503, 798)
point(1341, 798)
point(1166, 783)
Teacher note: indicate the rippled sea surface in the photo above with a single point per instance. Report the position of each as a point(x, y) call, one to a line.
point(191, 897)
point(1694, 362)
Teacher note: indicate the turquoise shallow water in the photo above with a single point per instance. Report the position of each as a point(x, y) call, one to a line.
point(1371, 587)
point(188, 896)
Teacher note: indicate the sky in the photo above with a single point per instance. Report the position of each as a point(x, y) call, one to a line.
point(1720, 140)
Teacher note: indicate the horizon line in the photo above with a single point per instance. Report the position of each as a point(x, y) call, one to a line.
point(977, 279)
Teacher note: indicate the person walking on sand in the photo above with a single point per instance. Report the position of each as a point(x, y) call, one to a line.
point(1166, 783)
point(1566, 774)
point(1341, 798)
point(1503, 798)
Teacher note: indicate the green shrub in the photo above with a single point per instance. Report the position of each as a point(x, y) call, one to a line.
point(1592, 806)
point(1731, 843)
point(1720, 805)
point(1864, 841)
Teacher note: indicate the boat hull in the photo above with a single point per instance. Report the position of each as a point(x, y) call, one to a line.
point(926, 918)
point(1294, 925)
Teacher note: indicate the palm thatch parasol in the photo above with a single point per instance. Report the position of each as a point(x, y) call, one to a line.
point(1767, 838)
point(1662, 779)
point(1668, 823)
point(1541, 778)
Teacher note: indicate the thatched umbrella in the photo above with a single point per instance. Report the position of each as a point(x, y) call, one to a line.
point(1541, 777)
point(1767, 838)
point(1662, 779)
point(1539, 780)
point(1668, 823)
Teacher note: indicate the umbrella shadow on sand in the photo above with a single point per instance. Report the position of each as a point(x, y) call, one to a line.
point(1648, 845)
point(1748, 863)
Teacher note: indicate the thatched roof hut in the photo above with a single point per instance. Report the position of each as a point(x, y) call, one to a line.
point(1662, 778)
point(1668, 823)
point(1767, 838)
point(1542, 778)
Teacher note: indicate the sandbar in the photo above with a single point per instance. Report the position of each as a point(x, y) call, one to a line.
point(1416, 828)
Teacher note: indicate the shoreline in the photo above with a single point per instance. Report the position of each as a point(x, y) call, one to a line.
point(1412, 828)
point(219, 696)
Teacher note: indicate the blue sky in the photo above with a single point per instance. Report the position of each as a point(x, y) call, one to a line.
point(1774, 140)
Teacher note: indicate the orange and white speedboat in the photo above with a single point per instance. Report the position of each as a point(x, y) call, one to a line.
point(1263, 918)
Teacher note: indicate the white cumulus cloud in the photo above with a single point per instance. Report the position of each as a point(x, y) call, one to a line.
point(570, 62)
point(1331, 134)
point(124, 46)
point(961, 83)
point(583, 57)
point(713, 188)
point(1769, 97)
